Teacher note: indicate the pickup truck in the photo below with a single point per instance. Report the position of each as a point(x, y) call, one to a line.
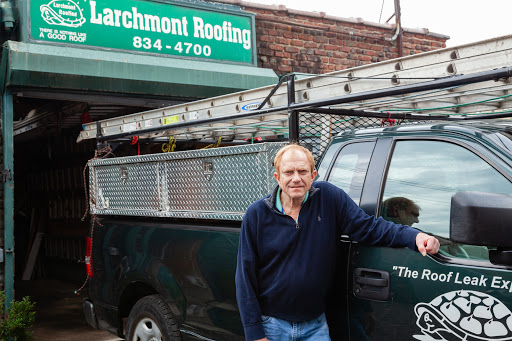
point(173, 278)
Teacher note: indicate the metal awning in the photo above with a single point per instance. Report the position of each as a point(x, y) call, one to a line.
point(57, 67)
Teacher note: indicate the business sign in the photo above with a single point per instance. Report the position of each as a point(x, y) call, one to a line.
point(144, 26)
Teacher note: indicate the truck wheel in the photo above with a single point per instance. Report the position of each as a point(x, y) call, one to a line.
point(151, 320)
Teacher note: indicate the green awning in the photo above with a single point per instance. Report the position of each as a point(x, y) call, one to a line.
point(59, 67)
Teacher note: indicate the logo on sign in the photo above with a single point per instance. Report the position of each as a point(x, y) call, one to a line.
point(62, 13)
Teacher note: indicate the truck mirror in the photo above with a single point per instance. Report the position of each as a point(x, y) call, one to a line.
point(483, 219)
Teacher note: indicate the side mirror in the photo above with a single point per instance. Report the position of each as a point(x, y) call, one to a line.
point(483, 219)
point(478, 218)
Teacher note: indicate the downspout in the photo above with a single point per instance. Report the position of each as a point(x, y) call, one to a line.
point(7, 24)
point(8, 189)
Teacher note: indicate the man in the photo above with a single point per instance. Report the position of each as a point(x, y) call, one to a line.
point(287, 251)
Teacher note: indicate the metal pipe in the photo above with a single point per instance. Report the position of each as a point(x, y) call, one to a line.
point(265, 101)
point(293, 115)
point(8, 192)
point(505, 72)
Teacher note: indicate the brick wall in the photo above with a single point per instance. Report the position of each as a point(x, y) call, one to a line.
point(296, 41)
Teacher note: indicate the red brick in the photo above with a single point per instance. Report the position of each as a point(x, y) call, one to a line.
point(284, 68)
point(282, 27)
point(266, 38)
point(306, 37)
point(313, 58)
point(296, 42)
point(276, 47)
point(310, 44)
point(335, 60)
point(291, 49)
point(280, 40)
point(272, 32)
point(300, 69)
point(330, 47)
point(321, 40)
point(266, 52)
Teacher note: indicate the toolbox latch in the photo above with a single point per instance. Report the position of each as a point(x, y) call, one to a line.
point(208, 169)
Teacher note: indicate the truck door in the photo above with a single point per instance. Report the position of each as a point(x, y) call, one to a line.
point(397, 294)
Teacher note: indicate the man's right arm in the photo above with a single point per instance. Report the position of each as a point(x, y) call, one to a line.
point(246, 281)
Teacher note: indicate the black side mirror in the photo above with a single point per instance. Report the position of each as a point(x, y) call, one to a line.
point(483, 219)
point(478, 218)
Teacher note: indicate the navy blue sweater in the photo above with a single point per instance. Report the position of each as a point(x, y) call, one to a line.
point(285, 270)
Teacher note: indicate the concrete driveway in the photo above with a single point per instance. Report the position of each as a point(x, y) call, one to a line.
point(59, 315)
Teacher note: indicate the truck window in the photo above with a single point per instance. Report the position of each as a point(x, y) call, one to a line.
point(422, 177)
point(350, 168)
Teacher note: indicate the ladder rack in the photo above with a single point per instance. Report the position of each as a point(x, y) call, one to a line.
point(443, 84)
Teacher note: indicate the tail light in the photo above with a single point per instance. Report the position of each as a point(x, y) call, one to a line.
point(88, 256)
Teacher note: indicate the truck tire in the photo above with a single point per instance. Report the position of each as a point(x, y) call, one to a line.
point(151, 320)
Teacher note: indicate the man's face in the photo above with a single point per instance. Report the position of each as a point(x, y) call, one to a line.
point(295, 176)
point(409, 216)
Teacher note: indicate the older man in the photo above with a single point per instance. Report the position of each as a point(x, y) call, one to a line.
point(287, 250)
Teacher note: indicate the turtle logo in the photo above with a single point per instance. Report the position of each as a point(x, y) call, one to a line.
point(464, 315)
point(63, 13)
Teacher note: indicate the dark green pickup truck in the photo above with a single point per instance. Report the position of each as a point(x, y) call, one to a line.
point(164, 278)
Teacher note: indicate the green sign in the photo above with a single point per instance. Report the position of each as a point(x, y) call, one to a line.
point(144, 26)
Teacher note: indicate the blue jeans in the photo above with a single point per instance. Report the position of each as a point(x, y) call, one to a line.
point(281, 330)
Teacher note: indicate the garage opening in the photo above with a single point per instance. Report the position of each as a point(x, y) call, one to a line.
point(50, 203)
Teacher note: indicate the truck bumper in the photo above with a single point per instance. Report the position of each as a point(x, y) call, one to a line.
point(90, 314)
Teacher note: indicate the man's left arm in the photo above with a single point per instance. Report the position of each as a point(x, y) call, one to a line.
point(371, 230)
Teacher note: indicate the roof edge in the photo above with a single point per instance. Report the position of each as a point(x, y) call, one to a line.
point(361, 21)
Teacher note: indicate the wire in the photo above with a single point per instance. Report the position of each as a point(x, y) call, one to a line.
point(381, 8)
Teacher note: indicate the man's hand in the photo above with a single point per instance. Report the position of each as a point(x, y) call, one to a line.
point(264, 339)
point(427, 244)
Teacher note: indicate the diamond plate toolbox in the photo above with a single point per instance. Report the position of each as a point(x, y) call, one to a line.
point(218, 183)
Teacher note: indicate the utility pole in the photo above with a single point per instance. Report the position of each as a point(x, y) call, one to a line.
point(398, 28)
